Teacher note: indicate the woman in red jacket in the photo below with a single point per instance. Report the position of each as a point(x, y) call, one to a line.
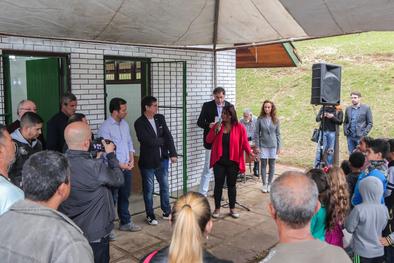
point(229, 141)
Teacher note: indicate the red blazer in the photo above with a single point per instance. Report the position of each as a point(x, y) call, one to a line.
point(238, 144)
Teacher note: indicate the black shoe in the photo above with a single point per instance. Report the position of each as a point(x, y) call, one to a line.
point(151, 221)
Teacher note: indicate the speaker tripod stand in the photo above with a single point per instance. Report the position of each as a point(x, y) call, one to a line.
point(226, 203)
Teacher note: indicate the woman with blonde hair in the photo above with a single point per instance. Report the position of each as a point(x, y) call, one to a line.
point(191, 222)
point(338, 206)
point(267, 142)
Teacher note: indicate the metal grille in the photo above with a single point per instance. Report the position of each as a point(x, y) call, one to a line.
point(168, 85)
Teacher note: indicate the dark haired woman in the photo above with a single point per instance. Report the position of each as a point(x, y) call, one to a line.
point(267, 142)
point(229, 141)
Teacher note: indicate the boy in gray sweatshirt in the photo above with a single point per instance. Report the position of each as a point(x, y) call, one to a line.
point(367, 221)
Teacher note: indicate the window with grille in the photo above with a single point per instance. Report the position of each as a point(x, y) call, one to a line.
point(122, 71)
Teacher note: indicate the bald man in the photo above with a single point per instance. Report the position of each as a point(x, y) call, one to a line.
point(90, 204)
point(294, 200)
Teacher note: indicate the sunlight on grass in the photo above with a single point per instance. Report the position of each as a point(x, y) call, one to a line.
point(367, 62)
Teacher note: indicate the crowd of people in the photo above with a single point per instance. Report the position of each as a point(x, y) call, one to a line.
point(69, 186)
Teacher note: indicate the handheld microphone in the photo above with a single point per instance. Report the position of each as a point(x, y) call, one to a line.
point(218, 126)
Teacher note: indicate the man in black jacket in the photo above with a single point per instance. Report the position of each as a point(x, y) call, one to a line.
point(157, 146)
point(90, 204)
point(27, 142)
point(58, 122)
point(210, 114)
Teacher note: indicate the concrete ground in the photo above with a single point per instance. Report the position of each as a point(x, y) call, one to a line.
point(246, 239)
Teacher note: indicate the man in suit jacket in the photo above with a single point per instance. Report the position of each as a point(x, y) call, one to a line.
point(358, 121)
point(210, 114)
point(157, 146)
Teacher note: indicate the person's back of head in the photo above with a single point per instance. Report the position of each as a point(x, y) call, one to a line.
point(356, 160)
point(78, 136)
point(338, 204)
point(77, 117)
point(294, 198)
point(371, 190)
point(320, 178)
point(45, 178)
point(345, 166)
point(390, 156)
point(191, 218)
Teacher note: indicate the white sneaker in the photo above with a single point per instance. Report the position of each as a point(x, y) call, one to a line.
point(264, 188)
point(269, 188)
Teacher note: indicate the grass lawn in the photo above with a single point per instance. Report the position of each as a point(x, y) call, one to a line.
point(367, 62)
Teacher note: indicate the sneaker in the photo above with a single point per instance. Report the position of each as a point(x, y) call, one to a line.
point(151, 221)
point(166, 216)
point(130, 227)
point(269, 188)
point(216, 214)
point(112, 235)
point(264, 189)
point(234, 214)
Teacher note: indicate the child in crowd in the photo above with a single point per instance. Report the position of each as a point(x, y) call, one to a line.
point(356, 160)
point(390, 171)
point(388, 233)
point(367, 221)
point(345, 166)
point(376, 154)
point(338, 206)
point(362, 147)
point(318, 222)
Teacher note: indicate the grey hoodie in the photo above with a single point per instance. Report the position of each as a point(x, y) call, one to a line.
point(368, 219)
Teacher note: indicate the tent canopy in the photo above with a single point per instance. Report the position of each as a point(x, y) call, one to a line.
point(195, 22)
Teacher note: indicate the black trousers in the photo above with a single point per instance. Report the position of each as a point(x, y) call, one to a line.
point(371, 260)
point(225, 170)
point(101, 250)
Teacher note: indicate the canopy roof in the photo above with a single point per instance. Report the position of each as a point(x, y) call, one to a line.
point(193, 22)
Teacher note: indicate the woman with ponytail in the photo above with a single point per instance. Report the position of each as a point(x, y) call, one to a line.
point(191, 223)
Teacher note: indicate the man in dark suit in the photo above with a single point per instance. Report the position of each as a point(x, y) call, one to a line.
point(210, 114)
point(358, 121)
point(58, 122)
point(157, 147)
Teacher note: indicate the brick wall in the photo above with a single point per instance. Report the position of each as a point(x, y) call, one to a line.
point(87, 80)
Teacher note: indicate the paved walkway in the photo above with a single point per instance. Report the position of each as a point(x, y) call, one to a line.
point(246, 239)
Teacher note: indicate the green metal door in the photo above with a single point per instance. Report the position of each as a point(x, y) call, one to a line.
point(168, 85)
point(43, 85)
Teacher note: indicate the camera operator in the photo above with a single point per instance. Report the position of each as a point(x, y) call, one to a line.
point(90, 204)
point(333, 116)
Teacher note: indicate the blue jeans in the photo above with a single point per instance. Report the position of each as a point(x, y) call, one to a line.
point(148, 184)
point(328, 145)
point(206, 174)
point(121, 195)
point(352, 143)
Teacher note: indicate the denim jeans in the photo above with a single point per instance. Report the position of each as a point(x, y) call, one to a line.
point(352, 143)
point(328, 145)
point(101, 250)
point(148, 184)
point(123, 194)
point(206, 174)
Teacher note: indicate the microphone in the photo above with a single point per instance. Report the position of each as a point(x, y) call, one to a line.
point(218, 126)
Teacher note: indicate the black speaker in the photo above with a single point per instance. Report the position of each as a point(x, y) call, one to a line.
point(326, 84)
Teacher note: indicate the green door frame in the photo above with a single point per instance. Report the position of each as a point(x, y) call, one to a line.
point(65, 81)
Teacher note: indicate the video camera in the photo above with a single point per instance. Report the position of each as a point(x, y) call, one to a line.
point(97, 145)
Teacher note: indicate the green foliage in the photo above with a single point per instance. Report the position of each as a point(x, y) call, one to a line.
point(367, 66)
